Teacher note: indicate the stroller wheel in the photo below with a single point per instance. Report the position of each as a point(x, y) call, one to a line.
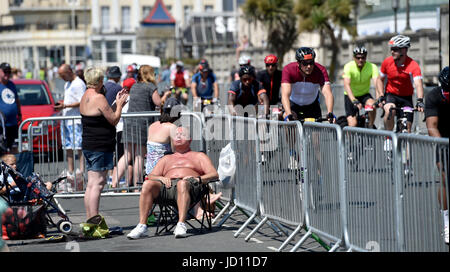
point(64, 226)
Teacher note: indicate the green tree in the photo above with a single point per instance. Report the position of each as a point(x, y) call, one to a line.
point(330, 17)
point(279, 20)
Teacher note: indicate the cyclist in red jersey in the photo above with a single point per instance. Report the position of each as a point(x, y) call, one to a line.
point(403, 75)
point(300, 85)
point(271, 79)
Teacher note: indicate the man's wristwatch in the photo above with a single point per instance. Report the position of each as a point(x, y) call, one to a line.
point(200, 180)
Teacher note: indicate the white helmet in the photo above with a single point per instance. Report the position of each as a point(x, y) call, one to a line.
point(244, 60)
point(400, 41)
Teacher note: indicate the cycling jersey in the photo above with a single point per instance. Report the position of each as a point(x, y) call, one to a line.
point(305, 90)
point(246, 97)
point(360, 79)
point(204, 88)
point(436, 105)
point(271, 84)
point(179, 78)
point(400, 80)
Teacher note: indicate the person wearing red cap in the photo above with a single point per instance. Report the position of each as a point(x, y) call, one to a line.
point(271, 79)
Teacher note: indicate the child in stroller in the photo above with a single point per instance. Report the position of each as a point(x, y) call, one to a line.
point(32, 191)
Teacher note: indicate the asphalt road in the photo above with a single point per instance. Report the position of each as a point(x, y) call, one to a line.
point(123, 211)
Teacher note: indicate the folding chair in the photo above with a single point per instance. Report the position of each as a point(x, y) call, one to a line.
point(168, 213)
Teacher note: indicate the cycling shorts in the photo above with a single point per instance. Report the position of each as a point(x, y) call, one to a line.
point(401, 101)
point(350, 109)
point(308, 111)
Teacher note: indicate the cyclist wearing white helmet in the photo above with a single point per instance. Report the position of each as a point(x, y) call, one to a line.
point(301, 82)
point(357, 76)
point(403, 75)
point(243, 60)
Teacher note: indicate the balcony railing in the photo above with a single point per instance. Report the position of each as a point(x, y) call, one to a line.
point(24, 5)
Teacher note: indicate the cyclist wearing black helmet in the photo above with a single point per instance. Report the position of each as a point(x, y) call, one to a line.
point(437, 107)
point(437, 111)
point(300, 85)
point(357, 76)
point(247, 91)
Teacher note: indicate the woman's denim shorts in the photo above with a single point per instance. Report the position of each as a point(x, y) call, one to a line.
point(98, 161)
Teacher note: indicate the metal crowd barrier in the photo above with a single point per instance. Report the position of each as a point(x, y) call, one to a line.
point(424, 185)
point(371, 190)
point(51, 161)
point(280, 174)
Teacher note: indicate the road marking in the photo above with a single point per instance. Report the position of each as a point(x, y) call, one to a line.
point(256, 240)
point(272, 248)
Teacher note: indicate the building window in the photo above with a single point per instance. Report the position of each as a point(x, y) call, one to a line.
point(208, 8)
point(146, 11)
point(105, 19)
point(111, 51)
point(97, 50)
point(187, 12)
point(126, 19)
point(126, 46)
point(169, 8)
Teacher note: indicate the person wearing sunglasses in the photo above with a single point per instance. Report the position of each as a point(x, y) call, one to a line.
point(271, 79)
point(301, 82)
point(357, 76)
point(403, 76)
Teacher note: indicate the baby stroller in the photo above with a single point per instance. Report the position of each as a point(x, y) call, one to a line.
point(31, 194)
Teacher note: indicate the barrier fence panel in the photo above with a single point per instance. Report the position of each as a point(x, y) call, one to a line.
point(43, 137)
point(371, 190)
point(322, 178)
point(217, 134)
point(424, 179)
point(246, 148)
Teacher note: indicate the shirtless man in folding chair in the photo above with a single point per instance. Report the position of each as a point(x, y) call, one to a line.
point(189, 167)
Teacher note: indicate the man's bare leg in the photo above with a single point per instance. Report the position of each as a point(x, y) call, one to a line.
point(183, 199)
point(150, 191)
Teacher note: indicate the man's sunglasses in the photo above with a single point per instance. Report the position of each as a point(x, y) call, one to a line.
point(271, 64)
point(360, 58)
point(306, 63)
point(395, 49)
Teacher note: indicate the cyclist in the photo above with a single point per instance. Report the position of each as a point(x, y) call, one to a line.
point(247, 91)
point(300, 85)
point(437, 111)
point(403, 74)
point(243, 60)
point(180, 80)
point(357, 76)
point(271, 79)
point(204, 85)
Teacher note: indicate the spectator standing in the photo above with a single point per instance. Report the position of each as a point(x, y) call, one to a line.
point(71, 131)
point(144, 96)
point(98, 121)
point(127, 84)
point(112, 86)
point(9, 106)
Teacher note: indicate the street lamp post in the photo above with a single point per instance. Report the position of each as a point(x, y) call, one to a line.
point(408, 26)
point(395, 8)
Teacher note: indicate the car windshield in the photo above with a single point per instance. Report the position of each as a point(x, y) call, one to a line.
point(32, 94)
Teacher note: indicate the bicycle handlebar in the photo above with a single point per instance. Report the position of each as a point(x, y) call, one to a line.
point(402, 109)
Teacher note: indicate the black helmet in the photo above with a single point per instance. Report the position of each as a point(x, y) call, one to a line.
point(305, 53)
point(359, 50)
point(443, 78)
point(247, 70)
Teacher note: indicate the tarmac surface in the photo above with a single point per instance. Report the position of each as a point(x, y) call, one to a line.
point(122, 211)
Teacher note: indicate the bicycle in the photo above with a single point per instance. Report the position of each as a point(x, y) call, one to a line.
point(402, 127)
point(364, 115)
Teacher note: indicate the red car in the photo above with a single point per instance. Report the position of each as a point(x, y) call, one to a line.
point(37, 101)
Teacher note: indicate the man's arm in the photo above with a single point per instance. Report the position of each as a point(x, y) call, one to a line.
point(231, 102)
point(379, 86)
point(419, 89)
point(264, 100)
point(348, 89)
point(194, 89)
point(209, 171)
point(328, 95)
point(286, 90)
point(216, 90)
point(158, 172)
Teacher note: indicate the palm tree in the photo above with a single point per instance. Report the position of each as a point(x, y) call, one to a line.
point(328, 17)
point(278, 19)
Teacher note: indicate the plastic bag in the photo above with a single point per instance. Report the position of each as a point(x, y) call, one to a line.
point(95, 227)
point(227, 167)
